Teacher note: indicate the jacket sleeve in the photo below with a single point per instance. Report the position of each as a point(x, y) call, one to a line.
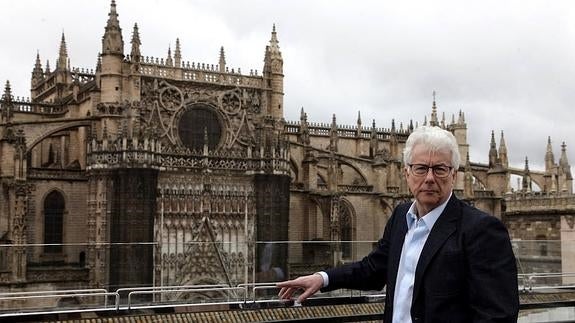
point(492, 279)
point(370, 273)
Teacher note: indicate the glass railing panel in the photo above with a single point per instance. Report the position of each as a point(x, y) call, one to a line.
point(549, 314)
point(184, 272)
point(307, 257)
point(47, 278)
point(545, 263)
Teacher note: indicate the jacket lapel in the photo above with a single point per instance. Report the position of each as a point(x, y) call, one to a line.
point(395, 248)
point(443, 228)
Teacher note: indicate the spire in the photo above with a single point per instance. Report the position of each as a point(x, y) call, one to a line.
point(567, 179)
point(7, 106)
point(7, 96)
point(358, 131)
point(178, 54)
point(274, 47)
point(273, 53)
point(461, 118)
point(222, 62)
point(503, 151)
point(99, 63)
point(549, 157)
point(169, 61)
point(273, 75)
point(62, 63)
point(492, 151)
point(135, 54)
point(526, 183)
point(304, 128)
point(47, 71)
point(468, 179)
point(373, 143)
point(333, 136)
point(563, 162)
point(37, 72)
point(393, 142)
point(112, 42)
point(433, 121)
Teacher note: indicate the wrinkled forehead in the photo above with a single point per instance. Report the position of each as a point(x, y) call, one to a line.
point(424, 152)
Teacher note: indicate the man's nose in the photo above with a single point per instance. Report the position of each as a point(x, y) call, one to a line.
point(430, 177)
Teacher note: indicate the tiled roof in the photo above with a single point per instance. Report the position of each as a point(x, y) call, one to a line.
point(285, 313)
point(243, 316)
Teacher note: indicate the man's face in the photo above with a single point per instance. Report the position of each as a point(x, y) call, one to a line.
point(429, 190)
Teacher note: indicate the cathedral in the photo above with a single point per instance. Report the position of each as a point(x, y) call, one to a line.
point(150, 171)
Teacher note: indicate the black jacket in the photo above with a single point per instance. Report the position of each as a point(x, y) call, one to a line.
point(466, 271)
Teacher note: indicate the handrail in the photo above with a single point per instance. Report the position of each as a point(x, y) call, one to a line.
point(55, 292)
point(153, 292)
point(528, 284)
point(262, 287)
point(153, 288)
point(105, 294)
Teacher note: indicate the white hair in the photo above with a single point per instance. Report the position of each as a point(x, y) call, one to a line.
point(434, 139)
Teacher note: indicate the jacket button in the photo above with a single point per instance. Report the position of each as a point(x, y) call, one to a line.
point(416, 319)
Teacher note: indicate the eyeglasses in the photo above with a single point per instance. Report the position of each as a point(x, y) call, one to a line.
point(439, 171)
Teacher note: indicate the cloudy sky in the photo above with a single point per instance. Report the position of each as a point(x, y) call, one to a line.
point(508, 65)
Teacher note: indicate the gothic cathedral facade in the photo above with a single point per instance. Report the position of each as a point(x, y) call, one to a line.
point(149, 171)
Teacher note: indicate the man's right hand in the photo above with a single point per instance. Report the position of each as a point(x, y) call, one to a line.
point(309, 284)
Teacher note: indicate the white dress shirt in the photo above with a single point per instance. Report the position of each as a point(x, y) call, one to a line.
point(418, 229)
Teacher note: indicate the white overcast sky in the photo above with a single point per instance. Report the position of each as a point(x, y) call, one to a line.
point(508, 65)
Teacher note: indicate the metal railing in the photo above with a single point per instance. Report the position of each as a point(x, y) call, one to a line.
point(59, 295)
point(246, 296)
point(529, 281)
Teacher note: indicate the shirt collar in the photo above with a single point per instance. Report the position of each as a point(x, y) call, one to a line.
point(429, 219)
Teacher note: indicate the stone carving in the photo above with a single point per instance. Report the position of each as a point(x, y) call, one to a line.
point(570, 219)
point(163, 104)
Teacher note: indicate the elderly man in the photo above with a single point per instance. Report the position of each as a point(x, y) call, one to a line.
point(441, 259)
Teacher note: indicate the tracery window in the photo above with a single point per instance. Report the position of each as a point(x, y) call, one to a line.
point(198, 124)
point(346, 235)
point(54, 207)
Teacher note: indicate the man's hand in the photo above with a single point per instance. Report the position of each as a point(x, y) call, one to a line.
point(309, 284)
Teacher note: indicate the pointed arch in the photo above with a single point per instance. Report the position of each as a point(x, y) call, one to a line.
point(347, 228)
point(351, 173)
point(54, 208)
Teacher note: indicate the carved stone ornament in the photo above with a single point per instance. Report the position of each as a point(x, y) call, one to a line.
point(570, 219)
point(163, 104)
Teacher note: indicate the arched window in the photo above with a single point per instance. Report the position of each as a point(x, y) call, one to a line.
point(54, 206)
point(199, 124)
point(542, 244)
point(346, 233)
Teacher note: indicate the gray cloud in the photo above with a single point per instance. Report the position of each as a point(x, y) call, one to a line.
point(509, 65)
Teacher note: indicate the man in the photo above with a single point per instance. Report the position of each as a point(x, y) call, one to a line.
point(441, 259)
